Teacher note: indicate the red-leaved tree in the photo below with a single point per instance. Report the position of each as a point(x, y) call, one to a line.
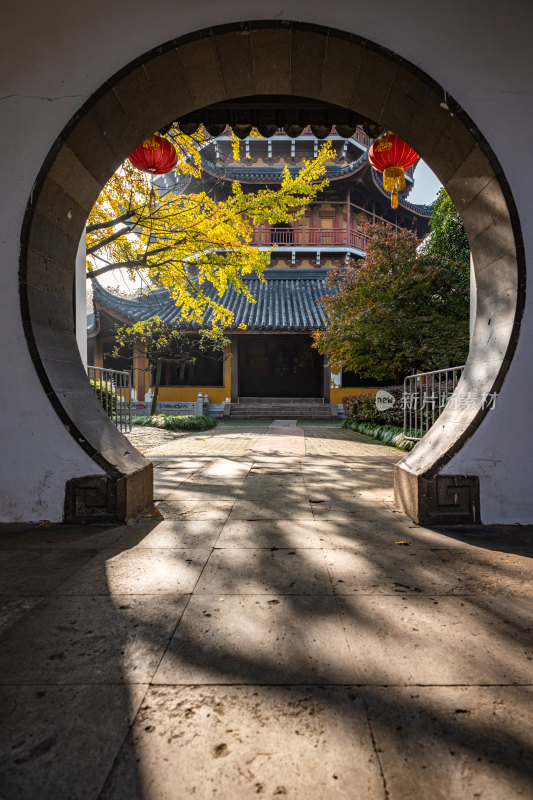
point(397, 310)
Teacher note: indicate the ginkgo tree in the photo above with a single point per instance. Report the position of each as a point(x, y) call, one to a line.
point(187, 242)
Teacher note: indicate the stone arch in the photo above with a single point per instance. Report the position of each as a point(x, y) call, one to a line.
point(243, 60)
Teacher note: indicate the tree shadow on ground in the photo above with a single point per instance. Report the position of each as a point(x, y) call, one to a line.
point(157, 660)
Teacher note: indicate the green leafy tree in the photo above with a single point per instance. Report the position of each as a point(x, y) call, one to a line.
point(164, 344)
point(399, 309)
point(447, 239)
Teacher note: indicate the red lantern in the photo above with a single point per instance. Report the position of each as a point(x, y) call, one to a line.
point(155, 155)
point(392, 156)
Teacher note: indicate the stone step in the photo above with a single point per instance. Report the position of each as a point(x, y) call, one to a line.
point(277, 412)
point(283, 411)
point(271, 417)
point(279, 401)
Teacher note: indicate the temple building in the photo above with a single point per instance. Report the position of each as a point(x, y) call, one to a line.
point(271, 362)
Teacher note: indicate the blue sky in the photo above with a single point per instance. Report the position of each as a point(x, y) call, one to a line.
point(426, 185)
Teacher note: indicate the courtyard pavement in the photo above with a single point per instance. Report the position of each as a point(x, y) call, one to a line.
point(274, 628)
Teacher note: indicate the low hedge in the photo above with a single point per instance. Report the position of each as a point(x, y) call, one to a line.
point(388, 434)
point(362, 408)
point(171, 422)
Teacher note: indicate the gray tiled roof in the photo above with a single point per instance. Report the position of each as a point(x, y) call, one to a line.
point(91, 322)
point(288, 301)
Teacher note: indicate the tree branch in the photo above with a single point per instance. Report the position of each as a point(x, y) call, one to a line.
point(94, 273)
point(110, 223)
point(156, 252)
point(139, 263)
point(107, 240)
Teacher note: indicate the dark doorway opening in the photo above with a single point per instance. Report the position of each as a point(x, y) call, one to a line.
point(279, 366)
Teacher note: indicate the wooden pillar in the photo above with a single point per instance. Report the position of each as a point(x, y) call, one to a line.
point(326, 382)
point(316, 225)
point(234, 369)
point(139, 374)
point(348, 220)
point(98, 353)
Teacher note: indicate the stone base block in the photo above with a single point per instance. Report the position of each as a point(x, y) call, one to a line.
point(101, 498)
point(440, 500)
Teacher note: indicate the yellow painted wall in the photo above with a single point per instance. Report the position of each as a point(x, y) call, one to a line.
point(189, 394)
point(98, 353)
point(338, 393)
point(218, 394)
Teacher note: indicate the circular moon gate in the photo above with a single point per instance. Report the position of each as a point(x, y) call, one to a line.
point(243, 60)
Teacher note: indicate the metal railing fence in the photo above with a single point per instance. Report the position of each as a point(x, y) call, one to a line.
point(425, 396)
point(113, 389)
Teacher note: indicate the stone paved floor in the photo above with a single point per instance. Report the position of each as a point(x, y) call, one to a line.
point(275, 630)
point(226, 439)
point(236, 437)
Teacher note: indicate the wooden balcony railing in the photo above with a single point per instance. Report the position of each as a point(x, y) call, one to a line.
point(309, 237)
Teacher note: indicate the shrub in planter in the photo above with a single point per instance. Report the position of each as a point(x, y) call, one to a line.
point(170, 422)
point(362, 408)
point(107, 396)
point(388, 434)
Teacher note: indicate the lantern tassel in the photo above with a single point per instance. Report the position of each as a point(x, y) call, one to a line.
point(394, 178)
point(394, 182)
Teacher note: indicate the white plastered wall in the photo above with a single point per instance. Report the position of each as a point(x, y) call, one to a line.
point(81, 302)
point(55, 55)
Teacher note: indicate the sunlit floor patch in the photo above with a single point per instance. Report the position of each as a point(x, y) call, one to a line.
point(275, 629)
